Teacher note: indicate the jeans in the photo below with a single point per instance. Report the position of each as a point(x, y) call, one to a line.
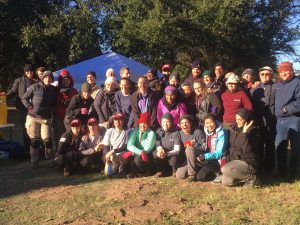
point(288, 129)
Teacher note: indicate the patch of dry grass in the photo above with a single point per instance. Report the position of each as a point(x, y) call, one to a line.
point(44, 196)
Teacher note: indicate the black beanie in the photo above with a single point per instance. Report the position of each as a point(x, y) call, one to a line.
point(168, 116)
point(245, 114)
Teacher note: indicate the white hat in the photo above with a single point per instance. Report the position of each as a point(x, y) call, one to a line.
point(108, 71)
point(233, 79)
point(266, 68)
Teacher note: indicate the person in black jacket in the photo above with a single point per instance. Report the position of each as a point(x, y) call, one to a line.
point(243, 159)
point(19, 88)
point(39, 100)
point(104, 103)
point(80, 106)
point(68, 147)
point(263, 96)
point(144, 100)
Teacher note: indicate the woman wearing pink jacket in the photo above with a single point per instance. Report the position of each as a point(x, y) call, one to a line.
point(169, 104)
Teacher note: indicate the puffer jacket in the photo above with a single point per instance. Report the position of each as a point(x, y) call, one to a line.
point(40, 100)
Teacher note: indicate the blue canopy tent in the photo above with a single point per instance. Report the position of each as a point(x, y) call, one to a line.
point(100, 64)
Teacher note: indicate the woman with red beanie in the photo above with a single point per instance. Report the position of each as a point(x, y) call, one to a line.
point(140, 144)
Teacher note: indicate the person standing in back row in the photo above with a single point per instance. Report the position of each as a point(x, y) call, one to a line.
point(287, 111)
point(39, 100)
point(19, 88)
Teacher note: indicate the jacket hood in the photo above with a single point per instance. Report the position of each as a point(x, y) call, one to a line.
point(218, 128)
point(60, 78)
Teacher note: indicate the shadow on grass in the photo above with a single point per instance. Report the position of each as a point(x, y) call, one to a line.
point(16, 177)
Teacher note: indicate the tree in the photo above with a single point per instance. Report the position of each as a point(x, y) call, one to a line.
point(240, 33)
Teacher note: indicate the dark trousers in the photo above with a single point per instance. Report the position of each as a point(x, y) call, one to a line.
point(137, 165)
point(208, 170)
point(167, 164)
point(26, 138)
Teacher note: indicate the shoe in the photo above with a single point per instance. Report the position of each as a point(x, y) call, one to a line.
point(217, 180)
point(130, 175)
point(191, 178)
point(158, 174)
point(34, 166)
point(252, 181)
point(52, 164)
point(66, 172)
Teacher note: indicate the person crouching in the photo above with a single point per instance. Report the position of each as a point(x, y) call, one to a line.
point(138, 158)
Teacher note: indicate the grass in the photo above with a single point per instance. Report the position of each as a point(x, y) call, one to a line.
point(44, 196)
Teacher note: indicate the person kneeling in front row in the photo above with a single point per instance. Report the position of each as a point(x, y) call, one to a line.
point(243, 157)
point(138, 158)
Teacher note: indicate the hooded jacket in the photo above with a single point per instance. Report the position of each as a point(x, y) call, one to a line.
point(221, 143)
point(63, 96)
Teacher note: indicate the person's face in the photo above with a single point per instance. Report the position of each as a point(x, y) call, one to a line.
point(210, 125)
point(66, 82)
point(149, 76)
point(232, 87)
point(47, 80)
point(75, 130)
point(143, 85)
point(143, 127)
point(85, 94)
point(125, 73)
point(125, 87)
point(187, 90)
point(247, 77)
point(207, 80)
point(174, 82)
point(90, 79)
point(110, 87)
point(196, 72)
point(40, 74)
point(166, 72)
point(93, 129)
point(286, 75)
point(219, 71)
point(170, 98)
point(166, 124)
point(265, 76)
point(185, 125)
point(111, 74)
point(239, 121)
point(29, 74)
point(198, 89)
point(118, 124)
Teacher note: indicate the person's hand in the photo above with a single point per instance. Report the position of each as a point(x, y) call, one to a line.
point(144, 157)
point(126, 155)
point(108, 155)
point(98, 147)
point(247, 126)
point(188, 143)
point(201, 158)
point(161, 153)
point(30, 108)
point(255, 84)
point(84, 111)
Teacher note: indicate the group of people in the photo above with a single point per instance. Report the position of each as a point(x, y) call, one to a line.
point(212, 126)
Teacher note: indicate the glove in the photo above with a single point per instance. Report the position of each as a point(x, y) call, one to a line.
point(30, 108)
point(126, 155)
point(188, 143)
point(84, 111)
point(201, 158)
point(144, 157)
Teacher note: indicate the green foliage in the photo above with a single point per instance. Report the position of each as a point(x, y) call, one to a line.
point(240, 33)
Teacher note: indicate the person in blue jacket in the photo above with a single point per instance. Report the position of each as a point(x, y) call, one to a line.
point(287, 111)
